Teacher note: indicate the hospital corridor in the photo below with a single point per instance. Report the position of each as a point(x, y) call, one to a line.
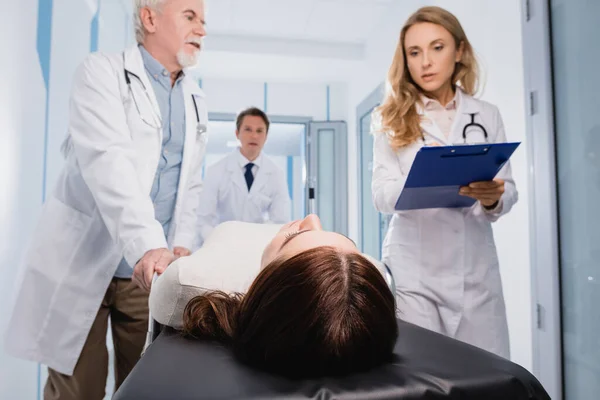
point(308, 199)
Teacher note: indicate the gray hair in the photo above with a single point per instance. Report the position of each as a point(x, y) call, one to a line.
point(140, 32)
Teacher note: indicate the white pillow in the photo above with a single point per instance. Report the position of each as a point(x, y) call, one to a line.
point(228, 261)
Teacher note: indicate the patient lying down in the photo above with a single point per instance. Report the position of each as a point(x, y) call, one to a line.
point(313, 305)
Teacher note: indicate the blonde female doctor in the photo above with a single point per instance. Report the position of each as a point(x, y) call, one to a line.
point(444, 261)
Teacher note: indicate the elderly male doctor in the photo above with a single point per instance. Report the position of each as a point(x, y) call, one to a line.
point(246, 185)
point(124, 206)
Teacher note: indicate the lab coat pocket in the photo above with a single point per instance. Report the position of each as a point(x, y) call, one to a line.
point(404, 229)
point(401, 250)
point(261, 201)
point(59, 231)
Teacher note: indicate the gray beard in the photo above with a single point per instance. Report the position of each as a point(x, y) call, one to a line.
point(187, 60)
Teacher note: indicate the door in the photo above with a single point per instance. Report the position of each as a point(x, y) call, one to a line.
point(372, 224)
point(327, 175)
point(564, 135)
point(285, 146)
point(574, 38)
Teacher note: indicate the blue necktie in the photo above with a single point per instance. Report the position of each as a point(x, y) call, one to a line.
point(248, 175)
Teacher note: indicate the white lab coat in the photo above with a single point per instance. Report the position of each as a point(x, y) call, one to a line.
point(444, 261)
point(100, 209)
point(226, 198)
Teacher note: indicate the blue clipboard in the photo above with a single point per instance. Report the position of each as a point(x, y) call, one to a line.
point(438, 172)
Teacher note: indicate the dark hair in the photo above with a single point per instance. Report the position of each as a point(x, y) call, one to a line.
point(252, 111)
point(320, 312)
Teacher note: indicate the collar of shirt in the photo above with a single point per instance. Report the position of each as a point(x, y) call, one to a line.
point(156, 70)
point(430, 104)
point(243, 160)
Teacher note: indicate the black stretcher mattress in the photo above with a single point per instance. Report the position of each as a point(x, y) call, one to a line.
point(427, 365)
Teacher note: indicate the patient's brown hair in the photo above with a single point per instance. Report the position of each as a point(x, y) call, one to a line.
point(320, 312)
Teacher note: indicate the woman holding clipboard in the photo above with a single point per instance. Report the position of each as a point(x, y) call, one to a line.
point(444, 260)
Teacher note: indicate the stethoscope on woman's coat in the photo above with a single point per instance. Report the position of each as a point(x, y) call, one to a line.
point(467, 126)
point(475, 124)
point(156, 119)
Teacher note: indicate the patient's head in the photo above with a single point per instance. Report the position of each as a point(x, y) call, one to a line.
point(312, 310)
point(301, 235)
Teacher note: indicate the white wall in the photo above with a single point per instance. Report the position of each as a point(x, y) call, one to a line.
point(20, 171)
point(499, 49)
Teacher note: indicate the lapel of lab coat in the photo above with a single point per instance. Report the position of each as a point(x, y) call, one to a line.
point(262, 177)
point(431, 132)
point(196, 123)
point(134, 63)
point(466, 105)
point(236, 171)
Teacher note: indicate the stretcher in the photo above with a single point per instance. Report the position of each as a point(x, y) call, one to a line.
point(426, 365)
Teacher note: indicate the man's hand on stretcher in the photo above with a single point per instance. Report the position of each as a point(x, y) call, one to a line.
point(156, 260)
point(181, 252)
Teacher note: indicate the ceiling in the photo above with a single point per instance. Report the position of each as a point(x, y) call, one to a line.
point(330, 28)
point(348, 21)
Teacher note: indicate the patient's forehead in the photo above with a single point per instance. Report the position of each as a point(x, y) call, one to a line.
point(310, 239)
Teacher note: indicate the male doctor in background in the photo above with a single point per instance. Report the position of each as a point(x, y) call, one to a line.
point(127, 195)
point(246, 185)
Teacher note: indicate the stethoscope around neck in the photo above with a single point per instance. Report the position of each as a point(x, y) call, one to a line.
point(465, 129)
point(476, 125)
point(156, 122)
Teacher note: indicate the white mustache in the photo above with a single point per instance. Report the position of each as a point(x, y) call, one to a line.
point(196, 40)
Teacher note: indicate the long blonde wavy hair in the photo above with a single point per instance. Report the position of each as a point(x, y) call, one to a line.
point(398, 112)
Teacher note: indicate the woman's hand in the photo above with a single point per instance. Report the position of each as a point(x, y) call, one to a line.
point(488, 193)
